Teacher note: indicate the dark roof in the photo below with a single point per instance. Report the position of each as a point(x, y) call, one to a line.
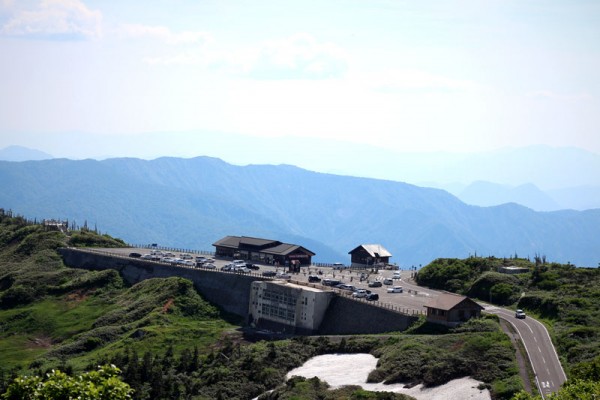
point(285, 249)
point(448, 301)
point(265, 245)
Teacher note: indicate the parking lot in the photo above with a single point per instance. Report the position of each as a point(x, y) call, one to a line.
point(411, 300)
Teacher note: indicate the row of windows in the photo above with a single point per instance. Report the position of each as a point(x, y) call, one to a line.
point(279, 297)
point(269, 310)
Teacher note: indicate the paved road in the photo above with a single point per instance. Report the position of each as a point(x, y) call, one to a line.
point(546, 365)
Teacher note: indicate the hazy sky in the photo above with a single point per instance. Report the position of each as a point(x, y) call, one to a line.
point(402, 75)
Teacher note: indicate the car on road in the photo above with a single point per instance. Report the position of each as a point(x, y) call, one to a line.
point(396, 275)
point(520, 314)
point(253, 266)
point(283, 275)
point(388, 281)
point(227, 267)
point(188, 263)
point(135, 255)
point(330, 282)
point(360, 293)
point(372, 297)
point(395, 289)
point(269, 273)
point(206, 265)
point(240, 269)
point(374, 284)
point(338, 265)
point(314, 278)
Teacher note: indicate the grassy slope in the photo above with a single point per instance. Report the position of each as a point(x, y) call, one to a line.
point(50, 313)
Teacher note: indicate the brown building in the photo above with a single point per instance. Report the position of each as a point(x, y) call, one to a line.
point(452, 309)
point(263, 250)
point(369, 254)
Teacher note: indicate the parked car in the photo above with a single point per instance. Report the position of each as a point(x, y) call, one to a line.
point(201, 259)
point(253, 266)
point(314, 278)
point(146, 256)
point(388, 281)
point(206, 265)
point(520, 314)
point(395, 289)
point(185, 256)
point(240, 269)
point(396, 275)
point(239, 262)
point(338, 265)
point(360, 293)
point(188, 263)
point(283, 275)
point(374, 284)
point(330, 282)
point(344, 286)
point(135, 255)
point(372, 297)
point(269, 273)
point(227, 267)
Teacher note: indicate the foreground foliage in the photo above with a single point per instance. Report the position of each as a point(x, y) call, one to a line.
point(103, 384)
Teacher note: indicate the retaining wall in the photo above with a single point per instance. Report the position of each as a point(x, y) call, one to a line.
point(231, 292)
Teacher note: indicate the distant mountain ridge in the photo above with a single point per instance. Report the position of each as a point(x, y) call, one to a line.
point(194, 202)
point(20, 153)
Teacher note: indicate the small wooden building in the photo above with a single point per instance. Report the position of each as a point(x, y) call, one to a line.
point(452, 309)
point(366, 255)
point(263, 250)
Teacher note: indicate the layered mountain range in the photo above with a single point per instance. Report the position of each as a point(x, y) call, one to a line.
point(192, 202)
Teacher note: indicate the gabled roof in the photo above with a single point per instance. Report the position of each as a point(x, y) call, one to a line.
point(448, 301)
point(285, 249)
point(374, 250)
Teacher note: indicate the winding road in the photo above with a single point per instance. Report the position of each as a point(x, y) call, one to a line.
point(549, 373)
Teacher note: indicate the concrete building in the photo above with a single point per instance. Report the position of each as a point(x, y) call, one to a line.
point(263, 250)
point(366, 255)
point(452, 309)
point(280, 306)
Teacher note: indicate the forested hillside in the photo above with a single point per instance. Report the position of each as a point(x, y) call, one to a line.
point(170, 343)
point(566, 298)
point(191, 203)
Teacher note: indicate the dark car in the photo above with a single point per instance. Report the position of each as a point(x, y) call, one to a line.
point(374, 284)
point(372, 297)
point(252, 266)
point(135, 255)
point(269, 273)
point(331, 282)
point(314, 278)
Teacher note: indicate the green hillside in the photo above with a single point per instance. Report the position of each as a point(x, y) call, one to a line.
point(566, 298)
point(171, 344)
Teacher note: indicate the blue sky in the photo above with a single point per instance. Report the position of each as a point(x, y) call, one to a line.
point(458, 76)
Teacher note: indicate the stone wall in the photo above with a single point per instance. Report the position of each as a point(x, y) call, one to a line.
point(347, 316)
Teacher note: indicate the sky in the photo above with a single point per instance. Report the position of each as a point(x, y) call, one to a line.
point(88, 78)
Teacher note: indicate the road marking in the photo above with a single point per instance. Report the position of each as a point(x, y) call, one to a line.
point(531, 330)
point(540, 350)
point(543, 359)
point(535, 339)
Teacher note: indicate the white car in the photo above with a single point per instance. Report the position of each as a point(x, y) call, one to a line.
point(520, 314)
point(188, 263)
point(360, 293)
point(283, 275)
point(396, 275)
point(388, 281)
point(395, 289)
